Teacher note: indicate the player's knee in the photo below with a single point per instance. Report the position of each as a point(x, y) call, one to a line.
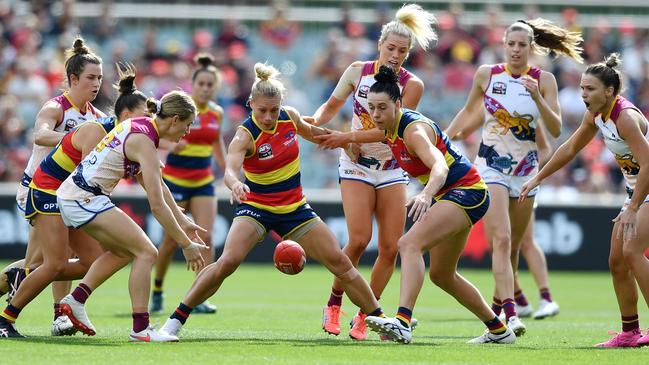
point(388, 252)
point(502, 243)
point(617, 265)
point(228, 264)
point(357, 244)
point(349, 275)
point(630, 252)
point(406, 245)
point(55, 267)
point(441, 278)
point(148, 254)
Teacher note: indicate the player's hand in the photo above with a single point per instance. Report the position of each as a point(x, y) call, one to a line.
point(419, 205)
point(526, 188)
point(532, 86)
point(627, 224)
point(239, 192)
point(193, 256)
point(310, 120)
point(192, 229)
point(332, 140)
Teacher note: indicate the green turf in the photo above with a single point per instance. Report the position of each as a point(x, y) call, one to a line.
point(266, 317)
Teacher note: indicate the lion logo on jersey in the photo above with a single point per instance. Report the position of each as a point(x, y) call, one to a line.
point(366, 121)
point(628, 164)
point(363, 116)
point(518, 124)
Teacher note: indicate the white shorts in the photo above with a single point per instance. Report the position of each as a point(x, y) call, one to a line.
point(371, 174)
point(514, 184)
point(77, 213)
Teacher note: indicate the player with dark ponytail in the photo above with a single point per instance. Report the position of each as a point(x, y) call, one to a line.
point(56, 240)
point(626, 134)
point(453, 199)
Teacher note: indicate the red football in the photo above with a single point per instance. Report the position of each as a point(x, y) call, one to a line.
point(289, 257)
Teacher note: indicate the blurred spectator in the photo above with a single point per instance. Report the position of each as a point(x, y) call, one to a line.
point(279, 31)
point(29, 87)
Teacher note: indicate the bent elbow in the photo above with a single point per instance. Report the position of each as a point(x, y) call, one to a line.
point(157, 207)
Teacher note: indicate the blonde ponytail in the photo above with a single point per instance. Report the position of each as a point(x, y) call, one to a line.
point(413, 22)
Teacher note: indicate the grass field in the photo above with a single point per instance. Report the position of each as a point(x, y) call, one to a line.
point(266, 317)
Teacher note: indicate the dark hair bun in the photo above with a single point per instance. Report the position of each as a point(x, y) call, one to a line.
point(127, 84)
point(613, 60)
point(386, 75)
point(204, 60)
point(79, 47)
point(126, 72)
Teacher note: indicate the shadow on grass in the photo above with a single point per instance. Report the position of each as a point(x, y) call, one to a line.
point(74, 341)
point(265, 341)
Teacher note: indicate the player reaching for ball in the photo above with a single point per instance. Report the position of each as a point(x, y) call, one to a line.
point(453, 199)
point(266, 146)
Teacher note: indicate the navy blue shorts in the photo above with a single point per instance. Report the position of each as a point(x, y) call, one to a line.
point(283, 224)
point(40, 202)
point(474, 202)
point(181, 193)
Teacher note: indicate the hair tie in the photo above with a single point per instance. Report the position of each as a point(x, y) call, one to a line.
point(522, 21)
point(158, 107)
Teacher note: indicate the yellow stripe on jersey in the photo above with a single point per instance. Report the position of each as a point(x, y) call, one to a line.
point(186, 183)
point(196, 150)
point(63, 160)
point(276, 176)
point(423, 179)
point(449, 159)
point(49, 191)
point(278, 209)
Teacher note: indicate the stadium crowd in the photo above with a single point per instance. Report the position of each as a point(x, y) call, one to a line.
point(31, 71)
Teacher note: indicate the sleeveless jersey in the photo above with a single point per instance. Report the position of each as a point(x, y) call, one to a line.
point(461, 172)
point(273, 169)
point(63, 159)
point(192, 166)
point(72, 117)
point(511, 116)
point(615, 143)
point(101, 170)
point(361, 119)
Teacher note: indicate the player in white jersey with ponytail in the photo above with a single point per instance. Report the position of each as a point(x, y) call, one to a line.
point(129, 150)
point(83, 71)
point(371, 181)
point(626, 133)
point(509, 101)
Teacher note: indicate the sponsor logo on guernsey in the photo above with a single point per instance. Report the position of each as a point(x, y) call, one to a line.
point(499, 88)
point(248, 212)
point(354, 172)
point(265, 152)
point(290, 138)
point(363, 90)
